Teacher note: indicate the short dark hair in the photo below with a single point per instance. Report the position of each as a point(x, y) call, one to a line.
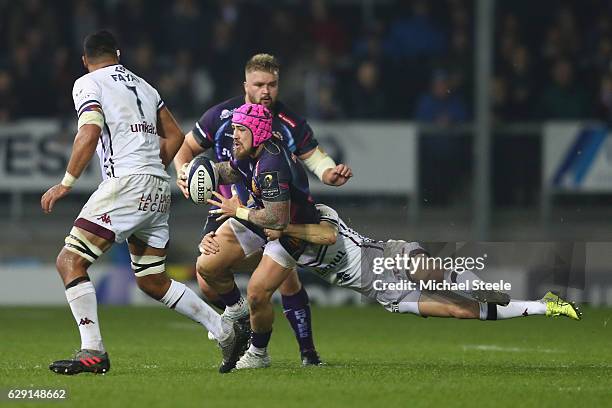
point(100, 44)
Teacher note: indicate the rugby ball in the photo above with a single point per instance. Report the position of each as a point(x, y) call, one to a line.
point(202, 179)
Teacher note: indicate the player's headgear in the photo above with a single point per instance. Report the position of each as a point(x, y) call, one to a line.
point(257, 118)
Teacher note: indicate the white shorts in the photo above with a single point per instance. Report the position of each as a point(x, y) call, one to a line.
point(137, 205)
point(398, 300)
point(251, 242)
point(247, 238)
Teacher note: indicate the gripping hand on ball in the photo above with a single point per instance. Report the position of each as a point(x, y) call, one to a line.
point(227, 206)
point(181, 180)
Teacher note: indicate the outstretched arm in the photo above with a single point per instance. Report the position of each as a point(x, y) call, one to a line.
point(323, 233)
point(318, 234)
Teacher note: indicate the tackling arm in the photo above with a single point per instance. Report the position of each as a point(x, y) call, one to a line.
point(323, 233)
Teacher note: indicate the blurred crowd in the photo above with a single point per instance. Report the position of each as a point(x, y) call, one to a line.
point(402, 59)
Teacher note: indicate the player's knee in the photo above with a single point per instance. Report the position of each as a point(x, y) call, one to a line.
point(205, 267)
point(206, 290)
point(68, 262)
point(291, 285)
point(60, 262)
point(155, 286)
point(257, 297)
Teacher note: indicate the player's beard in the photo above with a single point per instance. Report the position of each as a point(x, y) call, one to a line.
point(268, 102)
point(240, 152)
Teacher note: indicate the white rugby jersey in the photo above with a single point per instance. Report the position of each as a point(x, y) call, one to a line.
point(129, 143)
point(341, 264)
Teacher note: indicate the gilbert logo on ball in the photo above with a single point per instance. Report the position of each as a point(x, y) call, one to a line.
point(202, 179)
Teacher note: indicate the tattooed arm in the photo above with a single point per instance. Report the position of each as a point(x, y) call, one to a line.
point(274, 215)
point(227, 174)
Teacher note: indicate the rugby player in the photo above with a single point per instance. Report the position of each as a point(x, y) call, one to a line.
point(344, 258)
point(124, 119)
point(213, 131)
point(278, 186)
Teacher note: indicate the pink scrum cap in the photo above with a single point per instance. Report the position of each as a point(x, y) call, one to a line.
point(257, 118)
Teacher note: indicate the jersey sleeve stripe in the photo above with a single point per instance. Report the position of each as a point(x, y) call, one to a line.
point(287, 120)
point(200, 131)
point(88, 104)
point(201, 136)
point(330, 220)
point(160, 105)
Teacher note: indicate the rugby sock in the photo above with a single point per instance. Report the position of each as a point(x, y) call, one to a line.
point(408, 307)
point(467, 277)
point(218, 303)
point(236, 306)
point(182, 299)
point(259, 342)
point(516, 308)
point(84, 305)
point(297, 311)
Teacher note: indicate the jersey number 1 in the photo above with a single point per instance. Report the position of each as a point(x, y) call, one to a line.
point(138, 101)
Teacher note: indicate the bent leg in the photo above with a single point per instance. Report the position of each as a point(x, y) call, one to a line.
point(247, 265)
point(215, 268)
point(211, 296)
point(149, 267)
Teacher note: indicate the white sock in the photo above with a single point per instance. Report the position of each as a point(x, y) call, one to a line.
point(182, 299)
point(84, 306)
point(408, 307)
point(258, 351)
point(237, 311)
point(516, 308)
point(467, 277)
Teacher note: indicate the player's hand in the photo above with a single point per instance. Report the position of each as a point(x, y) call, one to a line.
point(272, 235)
point(227, 206)
point(52, 195)
point(181, 180)
point(209, 245)
point(338, 175)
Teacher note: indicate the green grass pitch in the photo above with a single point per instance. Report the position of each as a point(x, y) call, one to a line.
point(374, 359)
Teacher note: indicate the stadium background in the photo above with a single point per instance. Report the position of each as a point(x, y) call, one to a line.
point(389, 87)
point(463, 120)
